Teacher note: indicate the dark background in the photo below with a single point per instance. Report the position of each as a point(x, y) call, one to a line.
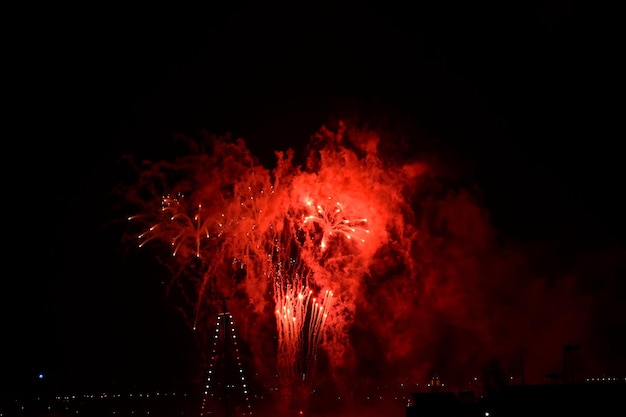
point(526, 93)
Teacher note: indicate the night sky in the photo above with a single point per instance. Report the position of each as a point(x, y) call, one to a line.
point(515, 100)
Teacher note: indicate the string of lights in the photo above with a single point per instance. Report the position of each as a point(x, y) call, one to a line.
point(226, 385)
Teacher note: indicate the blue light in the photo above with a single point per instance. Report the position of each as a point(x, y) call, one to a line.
point(40, 376)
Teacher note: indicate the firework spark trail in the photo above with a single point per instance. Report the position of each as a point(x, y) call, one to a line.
point(187, 230)
point(300, 322)
point(319, 314)
point(332, 222)
point(291, 306)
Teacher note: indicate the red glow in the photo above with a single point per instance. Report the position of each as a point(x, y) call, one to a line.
point(292, 237)
point(349, 268)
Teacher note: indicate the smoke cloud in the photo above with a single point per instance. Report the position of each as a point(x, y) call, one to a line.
point(413, 278)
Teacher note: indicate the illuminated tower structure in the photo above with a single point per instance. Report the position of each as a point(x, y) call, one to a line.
point(226, 392)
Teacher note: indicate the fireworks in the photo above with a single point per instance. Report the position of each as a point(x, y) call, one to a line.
point(300, 319)
point(332, 222)
point(184, 230)
point(243, 232)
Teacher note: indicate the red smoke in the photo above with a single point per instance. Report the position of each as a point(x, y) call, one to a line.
point(421, 282)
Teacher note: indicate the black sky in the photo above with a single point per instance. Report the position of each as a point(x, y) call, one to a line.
point(523, 92)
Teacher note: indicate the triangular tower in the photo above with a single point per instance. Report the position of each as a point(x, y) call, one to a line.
point(226, 392)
